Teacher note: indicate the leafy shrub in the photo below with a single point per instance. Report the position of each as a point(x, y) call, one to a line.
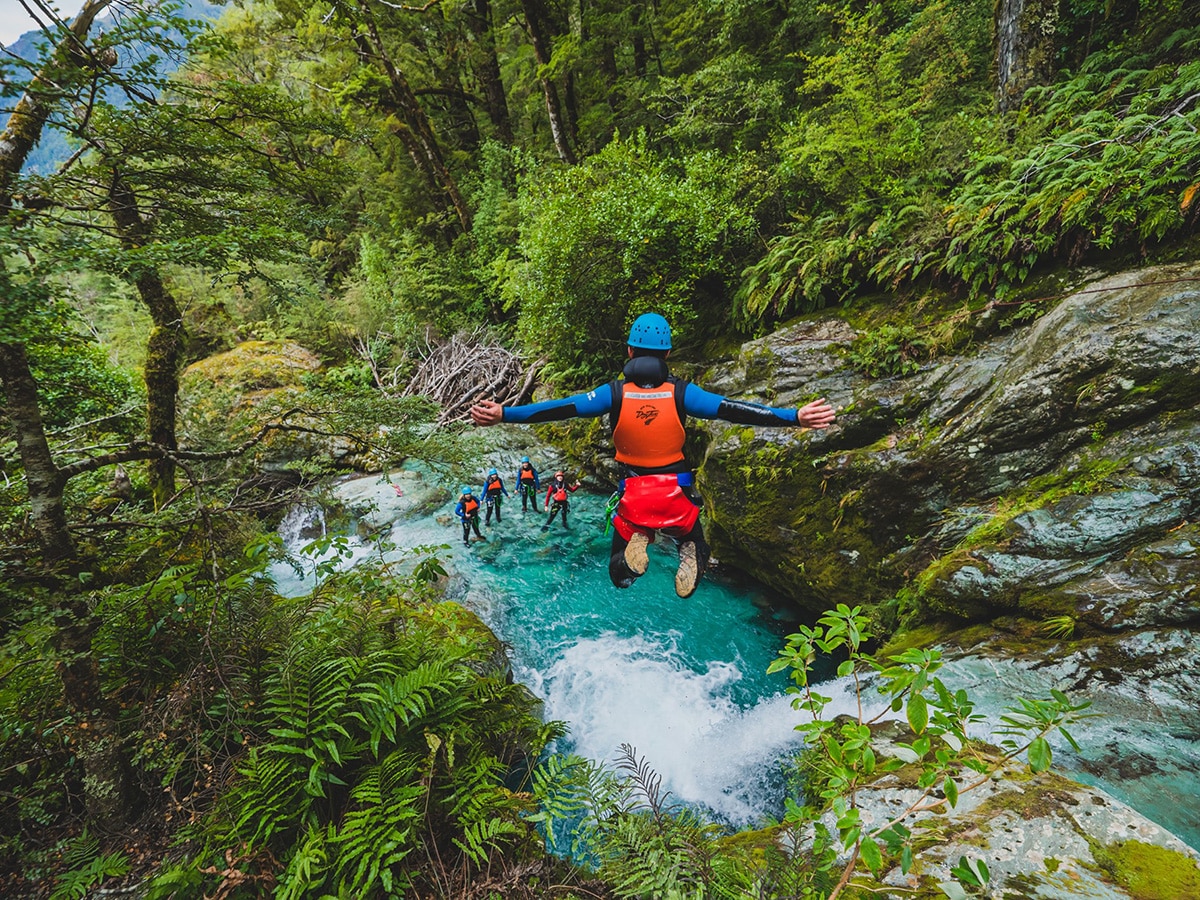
point(901, 178)
point(888, 350)
point(624, 233)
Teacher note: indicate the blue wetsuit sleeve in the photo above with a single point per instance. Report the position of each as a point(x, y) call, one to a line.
point(706, 405)
point(458, 510)
point(594, 403)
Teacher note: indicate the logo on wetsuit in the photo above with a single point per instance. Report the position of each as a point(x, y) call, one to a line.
point(646, 413)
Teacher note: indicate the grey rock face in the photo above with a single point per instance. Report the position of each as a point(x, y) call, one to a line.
point(1036, 474)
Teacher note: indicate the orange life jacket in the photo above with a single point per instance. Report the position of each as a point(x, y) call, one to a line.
point(649, 429)
point(494, 485)
point(527, 474)
point(470, 505)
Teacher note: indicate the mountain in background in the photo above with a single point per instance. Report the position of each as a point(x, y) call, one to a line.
point(54, 147)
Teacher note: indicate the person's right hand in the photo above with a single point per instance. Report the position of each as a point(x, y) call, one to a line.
point(487, 412)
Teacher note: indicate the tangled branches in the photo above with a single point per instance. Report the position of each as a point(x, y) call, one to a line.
point(468, 366)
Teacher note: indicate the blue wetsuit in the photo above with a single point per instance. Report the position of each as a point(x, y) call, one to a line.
point(696, 402)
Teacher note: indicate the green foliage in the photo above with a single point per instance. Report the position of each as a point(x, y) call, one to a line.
point(77, 384)
point(893, 100)
point(379, 738)
point(640, 844)
point(903, 176)
point(86, 867)
point(1059, 626)
point(624, 233)
point(888, 350)
point(1115, 165)
point(944, 758)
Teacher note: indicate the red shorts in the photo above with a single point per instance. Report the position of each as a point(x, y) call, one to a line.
point(653, 502)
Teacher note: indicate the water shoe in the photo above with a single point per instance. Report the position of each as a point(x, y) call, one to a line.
point(635, 553)
point(689, 570)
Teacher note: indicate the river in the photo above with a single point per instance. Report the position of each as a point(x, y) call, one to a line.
point(684, 681)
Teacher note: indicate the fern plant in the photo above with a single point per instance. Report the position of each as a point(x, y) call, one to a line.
point(86, 868)
point(378, 754)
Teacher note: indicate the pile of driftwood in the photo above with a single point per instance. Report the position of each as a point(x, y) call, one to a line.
point(467, 367)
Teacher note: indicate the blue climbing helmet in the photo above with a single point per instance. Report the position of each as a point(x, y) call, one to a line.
point(650, 331)
point(524, 459)
point(493, 472)
point(466, 489)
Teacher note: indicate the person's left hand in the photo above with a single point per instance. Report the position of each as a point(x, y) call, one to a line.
point(817, 414)
point(487, 412)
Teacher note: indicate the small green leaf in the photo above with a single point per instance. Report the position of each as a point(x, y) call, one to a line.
point(871, 855)
point(918, 713)
point(1039, 755)
point(951, 790)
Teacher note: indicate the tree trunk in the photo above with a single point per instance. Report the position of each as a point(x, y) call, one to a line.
point(421, 142)
point(25, 125)
point(487, 68)
point(107, 789)
point(1025, 47)
point(43, 480)
point(559, 127)
point(106, 783)
point(164, 350)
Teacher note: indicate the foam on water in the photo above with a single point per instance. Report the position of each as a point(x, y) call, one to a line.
point(684, 723)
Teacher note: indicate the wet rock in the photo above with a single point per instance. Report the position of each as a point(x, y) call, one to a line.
point(1028, 475)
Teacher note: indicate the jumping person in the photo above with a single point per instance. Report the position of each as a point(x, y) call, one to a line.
point(557, 494)
point(468, 511)
point(527, 484)
point(493, 492)
point(647, 411)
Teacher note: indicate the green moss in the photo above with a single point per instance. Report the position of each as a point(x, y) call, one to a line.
point(802, 536)
point(1045, 796)
point(1087, 477)
point(1149, 872)
point(921, 636)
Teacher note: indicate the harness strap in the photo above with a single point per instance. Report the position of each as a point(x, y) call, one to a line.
point(683, 479)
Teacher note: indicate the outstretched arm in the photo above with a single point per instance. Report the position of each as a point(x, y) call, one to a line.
point(594, 403)
point(707, 405)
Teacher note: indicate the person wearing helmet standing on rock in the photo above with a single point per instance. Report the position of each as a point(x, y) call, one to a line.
point(647, 410)
point(493, 492)
point(528, 485)
point(557, 499)
point(468, 512)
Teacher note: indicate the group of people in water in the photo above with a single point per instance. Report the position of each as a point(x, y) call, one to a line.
point(528, 486)
point(647, 410)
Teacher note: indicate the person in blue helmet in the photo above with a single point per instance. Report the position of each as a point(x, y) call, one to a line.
point(647, 409)
point(528, 484)
point(468, 513)
point(493, 492)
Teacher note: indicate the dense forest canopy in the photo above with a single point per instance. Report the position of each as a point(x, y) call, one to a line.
point(367, 179)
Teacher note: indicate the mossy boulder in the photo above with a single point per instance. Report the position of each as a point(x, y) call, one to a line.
point(1015, 478)
point(227, 398)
